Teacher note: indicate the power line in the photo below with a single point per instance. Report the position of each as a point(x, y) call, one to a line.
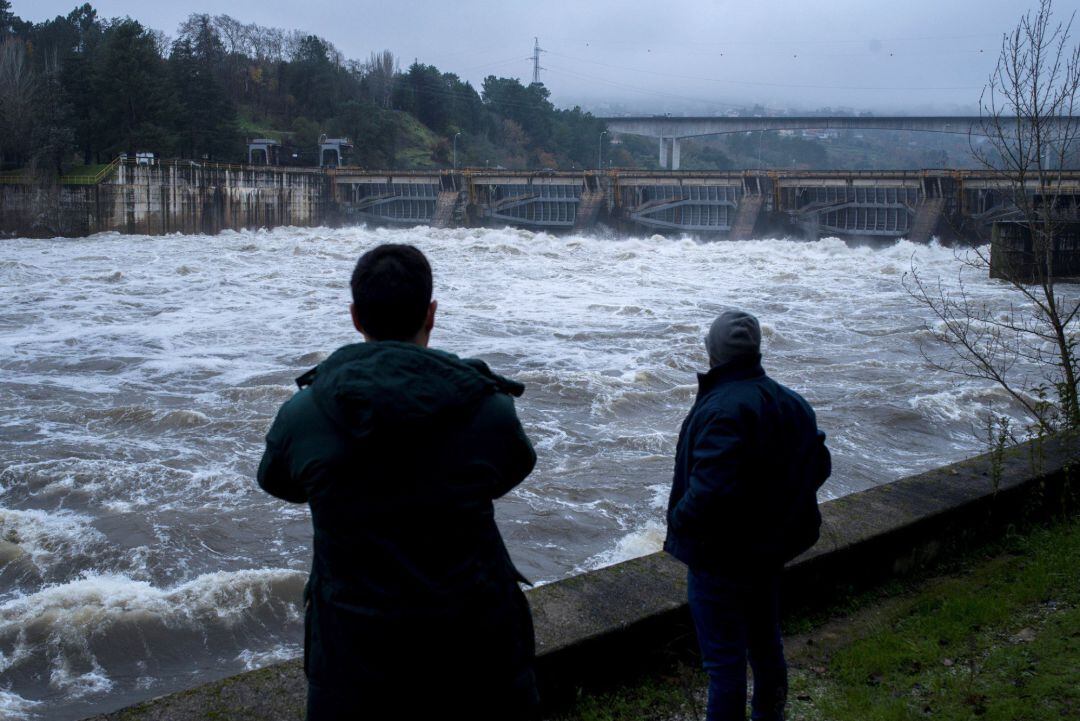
point(644, 91)
point(490, 104)
point(495, 64)
point(751, 52)
point(757, 83)
point(862, 40)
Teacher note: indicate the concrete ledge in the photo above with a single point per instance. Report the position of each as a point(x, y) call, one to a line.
point(603, 623)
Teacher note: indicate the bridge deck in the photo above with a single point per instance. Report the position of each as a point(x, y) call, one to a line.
point(664, 126)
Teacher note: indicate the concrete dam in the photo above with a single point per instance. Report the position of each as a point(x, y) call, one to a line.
point(188, 197)
point(916, 205)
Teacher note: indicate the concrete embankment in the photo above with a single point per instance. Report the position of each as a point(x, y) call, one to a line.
point(170, 197)
point(609, 621)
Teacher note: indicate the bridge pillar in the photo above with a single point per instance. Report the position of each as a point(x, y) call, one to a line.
point(669, 153)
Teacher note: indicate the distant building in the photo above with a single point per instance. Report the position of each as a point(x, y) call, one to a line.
point(332, 151)
point(821, 134)
point(264, 151)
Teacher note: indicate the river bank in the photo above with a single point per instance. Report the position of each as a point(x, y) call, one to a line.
point(991, 633)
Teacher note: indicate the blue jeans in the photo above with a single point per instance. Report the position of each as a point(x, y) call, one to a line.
point(738, 618)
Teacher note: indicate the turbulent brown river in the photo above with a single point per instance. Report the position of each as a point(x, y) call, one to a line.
point(137, 555)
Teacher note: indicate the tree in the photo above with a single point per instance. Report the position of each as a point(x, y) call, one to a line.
point(379, 73)
point(423, 93)
point(204, 39)
point(528, 106)
point(18, 90)
point(52, 137)
point(374, 127)
point(134, 91)
point(576, 138)
point(66, 47)
point(7, 18)
point(10, 23)
point(1027, 108)
point(205, 120)
point(313, 77)
point(236, 41)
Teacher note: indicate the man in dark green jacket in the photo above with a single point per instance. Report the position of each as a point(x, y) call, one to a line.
point(413, 609)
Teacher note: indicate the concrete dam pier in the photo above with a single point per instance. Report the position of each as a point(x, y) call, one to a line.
point(189, 197)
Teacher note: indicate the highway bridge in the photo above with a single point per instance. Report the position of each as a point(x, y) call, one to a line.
point(670, 130)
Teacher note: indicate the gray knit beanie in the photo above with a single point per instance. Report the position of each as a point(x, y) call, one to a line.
point(734, 334)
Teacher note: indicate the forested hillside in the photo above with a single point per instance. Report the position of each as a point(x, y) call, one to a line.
point(81, 89)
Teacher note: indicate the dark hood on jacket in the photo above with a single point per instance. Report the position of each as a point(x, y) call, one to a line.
point(393, 384)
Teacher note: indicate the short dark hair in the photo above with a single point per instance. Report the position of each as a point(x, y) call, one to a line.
point(391, 289)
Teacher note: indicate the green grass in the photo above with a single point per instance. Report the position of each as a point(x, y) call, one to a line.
point(1001, 642)
point(252, 128)
point(18, 175)
point(76, 175)
point(416, 143)
point(82, 174)
point(997, 639)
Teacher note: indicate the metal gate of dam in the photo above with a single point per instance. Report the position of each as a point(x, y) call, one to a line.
point(916, 205)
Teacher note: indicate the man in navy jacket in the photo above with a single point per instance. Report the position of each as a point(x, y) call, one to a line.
point(748, 465)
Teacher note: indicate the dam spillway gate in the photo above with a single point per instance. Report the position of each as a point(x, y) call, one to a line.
point(722, 205)
point(695, 204)
point(389, 199)
point(875, 208)
point(541, 201)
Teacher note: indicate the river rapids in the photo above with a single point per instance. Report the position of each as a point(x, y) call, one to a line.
point(137, 555)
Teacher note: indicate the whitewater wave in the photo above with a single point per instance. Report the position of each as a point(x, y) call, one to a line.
point(44, 538)
point(15, 707)
point(640, 542)
point(85, 634)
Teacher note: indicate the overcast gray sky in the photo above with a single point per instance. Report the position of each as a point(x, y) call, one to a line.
point(681, 56)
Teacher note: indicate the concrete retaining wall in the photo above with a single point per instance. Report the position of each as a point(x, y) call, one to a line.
point(605, 622)
point(44, 210)
point(189, 198)
point(173, 197)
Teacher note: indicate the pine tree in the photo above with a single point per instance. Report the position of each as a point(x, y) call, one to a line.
point(133, 86)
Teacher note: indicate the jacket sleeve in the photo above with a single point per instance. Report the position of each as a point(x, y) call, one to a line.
point(713, 483)
point(275, 470)
point(517, 457)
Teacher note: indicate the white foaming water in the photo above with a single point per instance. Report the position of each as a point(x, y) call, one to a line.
point(43, 537)
point(635, 544)
point(253, 660)
point(13, 706)
point(142, 372)
point(78, 636)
